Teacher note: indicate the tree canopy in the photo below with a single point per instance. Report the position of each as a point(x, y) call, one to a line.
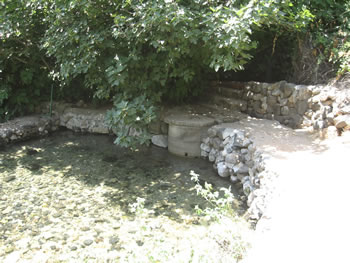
point(117, 50)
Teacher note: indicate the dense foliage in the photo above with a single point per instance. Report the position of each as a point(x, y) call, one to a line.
point(117, 50)
point(308, 53)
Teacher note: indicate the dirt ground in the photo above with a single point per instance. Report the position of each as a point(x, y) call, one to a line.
point(310, 212)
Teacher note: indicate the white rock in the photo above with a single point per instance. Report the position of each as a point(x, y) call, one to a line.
point(205, 147)
point(342, 121)
point(241, 168)
point(223, 170)
point(219, 158)
point(247, 187)
point(250, 199)
point(212, 155)
point(160, 140)
point(234, 179)
point(232, 158)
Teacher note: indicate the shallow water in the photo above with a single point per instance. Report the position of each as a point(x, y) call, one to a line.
point(69, 197)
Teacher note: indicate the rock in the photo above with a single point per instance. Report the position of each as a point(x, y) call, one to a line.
point(247, 187)
point(293, 98)
point(160, 140)
point(241, 169)
point(250, 199)
point(283, 102)
point(276, 109)
point(247, 158)
point(244, 151)
point(88, 242)
point(205, 147)
point(73, 248)
point(216, 143)
point(287, 89)
point(277, 92)
point(320, 124)
point(257, 96)
point(85, 228)
point(302, 106)
point(212, 155)
point(139, 243)
point(223, 133)
point(211, 132)
point(285, 110)
point(232, 158)
point(53, 247)
point(245, 178)
point(234, 179)
point(223, 170)
point(330, 133)
point(204, 154)
point(342, 121)
point(345, 110)
point(206, 140)
point(246, 142)
point(113, 240)
point(219, 157)
point(56, 215)
point(303, 92)
point(239, 139)
point(9, 178)
point(271, 100)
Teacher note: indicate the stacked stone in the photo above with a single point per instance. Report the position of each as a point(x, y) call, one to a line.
point(328, 111)
point(235, 156)
point(85, 120)
point(26, 127)
point(281, 101)
point(232, 152)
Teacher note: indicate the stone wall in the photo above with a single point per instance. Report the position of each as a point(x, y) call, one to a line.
point(281, 101)
point(297, 106)
point(27, 127)
point(77, 117)
point(235, 156)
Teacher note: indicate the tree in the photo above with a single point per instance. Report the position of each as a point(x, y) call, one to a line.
point(132, 52)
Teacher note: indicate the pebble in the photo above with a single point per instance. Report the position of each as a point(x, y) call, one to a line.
point(73, 248)
point(9, 178)
point(114, 240)
point(53, 247)
point(139, 243)
point(56, 215)
point(88, 242)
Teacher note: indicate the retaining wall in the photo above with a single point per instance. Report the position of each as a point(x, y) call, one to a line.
point(297, 106)
point(234, 155)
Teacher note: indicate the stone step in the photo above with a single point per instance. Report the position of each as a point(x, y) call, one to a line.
point(230, 103)
point(228, 84)
point(227, 92)
point(222, 114)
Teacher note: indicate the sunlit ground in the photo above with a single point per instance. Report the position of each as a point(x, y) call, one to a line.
point(310, 217)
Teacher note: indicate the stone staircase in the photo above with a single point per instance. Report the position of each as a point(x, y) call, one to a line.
point(228, 95)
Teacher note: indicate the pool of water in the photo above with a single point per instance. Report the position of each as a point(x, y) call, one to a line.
point(71, 197)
